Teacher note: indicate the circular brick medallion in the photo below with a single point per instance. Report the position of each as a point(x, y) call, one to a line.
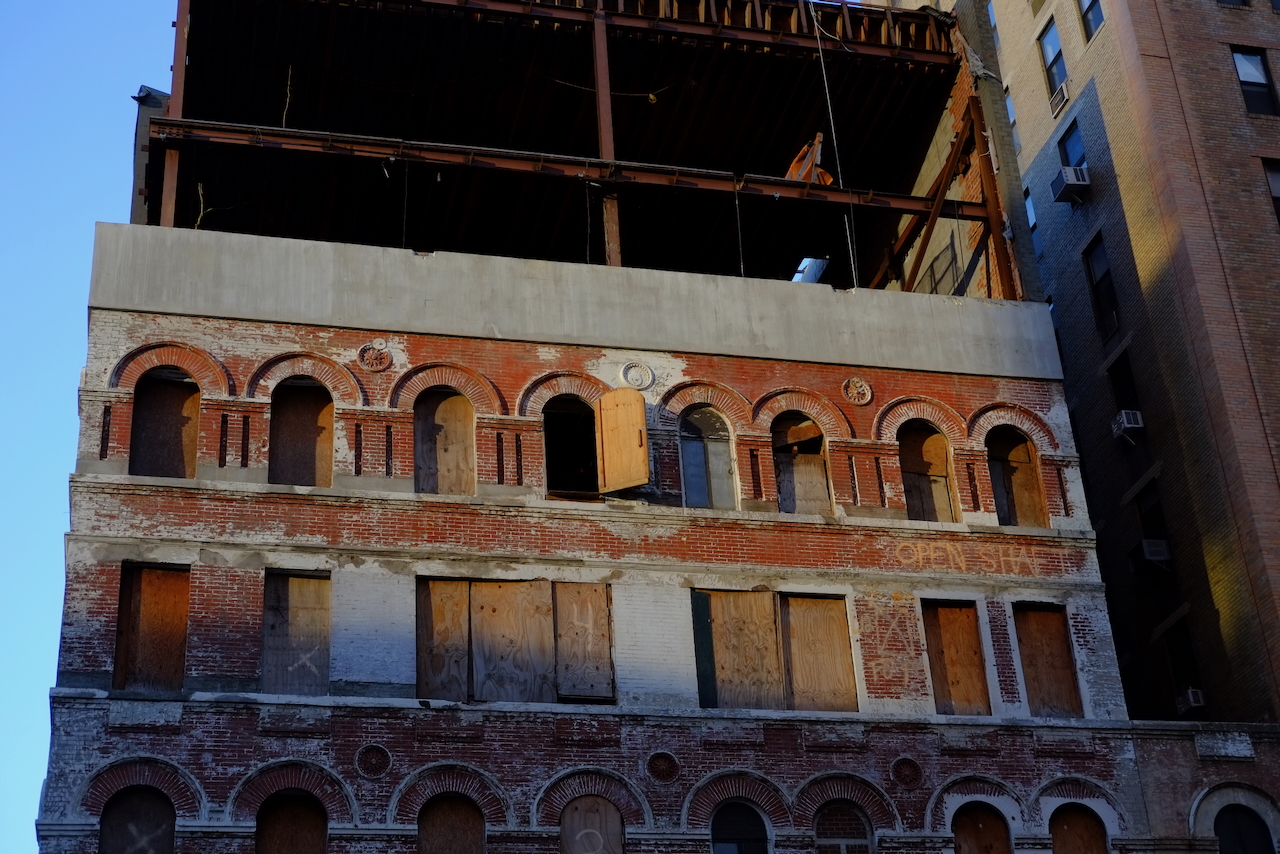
point(637, 375)
point(663, 767)
point(858, 391)
point(375, 356)
point(906, 772)
point(373, 761)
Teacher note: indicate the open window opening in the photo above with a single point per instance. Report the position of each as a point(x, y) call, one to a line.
point(925, 458)
point(151, 630)
point(137, 818)
point(954, 644)
point(569, 433)
point(1240, 830)
point(1076, 829)
point(800, 465)
point(591, 825)
point(841, 828)
point(706, 460)
point(738, 828)
point(1015, 478)
point(291, 821)
point(444, 443)
point(301, 439)
point(165, 432)
point(980, 829)
point(450, 824)
point(295, 635)
point(1048, 663)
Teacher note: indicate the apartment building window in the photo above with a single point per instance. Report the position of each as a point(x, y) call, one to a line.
point(444, 443)
point(1124, 389)
point(291, 821)
point(514, 641)
point(166, 424)
point(764, 650)
point(591, 825)
point(924, 456)
point(1036, 245)
point(1013, 121)
point(991, 17)
point(1272, 168)
point(134, 815)
point(301, 441)
point(295, 635)
point(1055, 66)
point(955, 658)
point(799, 465)
point(450, 824)
point(1071, 147)
point(737, 828)
point(1255, 80)
point(1076, 828)
point(1048, 664)
point(1097, 268)
point(706, 460)
point(151, 630)
point(1091, 16)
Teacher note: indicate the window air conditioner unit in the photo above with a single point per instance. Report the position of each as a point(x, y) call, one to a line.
point(1191, 698)
point(1156, 550)
point(1126, 421)
point(1070, 184)
point(1058, 100)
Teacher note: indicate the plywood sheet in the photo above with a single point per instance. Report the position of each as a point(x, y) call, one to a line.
point(301, 436)
point(591, 825)
point(819, 655)
point(443, 639)
point(513, 642)
point(295, 649)
point(748, 658)
point(980, 829)
point(584, 666)
point(962, 651)
point(622, 441)
point(1076, 829)
point(291, 822)
point(137, 820)
point(165, 428)
point(161, 635)
point(450, 824)
point(445, 444)
point(1048, 665)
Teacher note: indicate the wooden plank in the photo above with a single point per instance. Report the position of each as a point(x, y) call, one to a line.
point(301, 439)
point(291, 822)
point(1048, 666)
point(591, 825)
point(819, 655)
point(584, 663)
point(450, 824)
point(748, 660)
point(980, 829)
point(165, 431)
point(295, 648)
point(812, 494)
point(622, 444)
point(513, 642)
point(962, 652)
point(444, 647)
point(444, 431)
point(937, 659)
point(137, 820)
point(1076, 829)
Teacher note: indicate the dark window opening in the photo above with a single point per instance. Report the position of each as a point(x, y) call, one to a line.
point(295, 635)
point(569, 431)
point(1255, 80)
point(591, 825)
point(980, 829)
point(1013, 122)
point(1240, 830)
point(1055, 66)
point(1097, 267)
point(301, 440)
point(1048, 663)
point(1015, 479)
point(737, 828)
point(800, 465)
point(1180, 649)
point(1076, 829)
point(954, 644)
point(841, 828)
point(291, 821)
point(151, 630)
point(450, 824)
point(137, 820)
point(1273, 180)
point(1037, 245)
point(166, 424)
point(1071, 147)
point(925, 459)
point(444, 448)
point(1124, 390)
point(706, 460)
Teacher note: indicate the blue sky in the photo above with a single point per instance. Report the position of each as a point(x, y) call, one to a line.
point(65, 147)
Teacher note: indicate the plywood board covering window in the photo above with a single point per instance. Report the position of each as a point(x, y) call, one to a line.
point(1076, 829)
point(301, 439)
point(151, 634)
point(444, 433)
point(1048, 665)
point(514, 641)
point(1015, 479)
point(762, 650)
point(980, 829)
point(925, 459)
point(291, 821)
point(591, 825)
point(800, 466)
point(955, 658)
point(295, 635)
point(166, 425)
point(450, 824)
point(137, 820)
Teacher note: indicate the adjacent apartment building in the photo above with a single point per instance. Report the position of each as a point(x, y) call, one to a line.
point(532, 427)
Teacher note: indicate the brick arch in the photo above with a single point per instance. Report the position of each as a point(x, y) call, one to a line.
point(734, 407)
point(344, 387)
point(997, 414)
point(735, 785)
point(1077, 789)
point(899, 411)
point(207, 371)
point(832, 421)
point(975, 788)
point(591, 781)
point(537, 393)
point(261, 784)
point(484, 397)
point(816, 793)
point(450, 779)
point(178, 786)
point(1206, 805)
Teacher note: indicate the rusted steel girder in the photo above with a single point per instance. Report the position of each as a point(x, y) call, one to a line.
point(616, 172)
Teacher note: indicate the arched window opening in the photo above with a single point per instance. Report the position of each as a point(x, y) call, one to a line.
point(444, 443)
point(1015, 479)
point(737, 828)
point(842, 828)
point(706, 460)
point(925, 458)
point(1240, 830)
point(301, 449)
point(799, 465)
point(591, 825)
point(137, 820)
point(450, 824)
point(1076, 829)
point(569, 435)
point(980, 829)
point(291, 821)
point(166, 424)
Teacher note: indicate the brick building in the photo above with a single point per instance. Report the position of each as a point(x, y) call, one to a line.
point(574, 481)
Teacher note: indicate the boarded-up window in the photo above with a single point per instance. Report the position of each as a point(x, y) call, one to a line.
point(706, 460)
point(444, 448)
point(1076, 829)
point(955, 658)
point(1240, 830)
point(291, 821)
point(841, 828)
point(759, 650)
point(1015, 479)
point(295, 635)
point(137, 820)
point(166, 424)
point(450, 824)
point(591, 825)
point(301, 443)
point(980, 829)
point(151, 630)
point(1048, 665)
point(799, 465)
point(925, 459)
point(569, 436)
point(514, 641)
point(737, 828)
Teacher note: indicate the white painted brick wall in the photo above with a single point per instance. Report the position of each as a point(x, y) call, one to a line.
point(373, 628)
point(653, 646)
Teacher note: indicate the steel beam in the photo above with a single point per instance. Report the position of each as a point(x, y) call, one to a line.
point(995, 217)
point(604, 122)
